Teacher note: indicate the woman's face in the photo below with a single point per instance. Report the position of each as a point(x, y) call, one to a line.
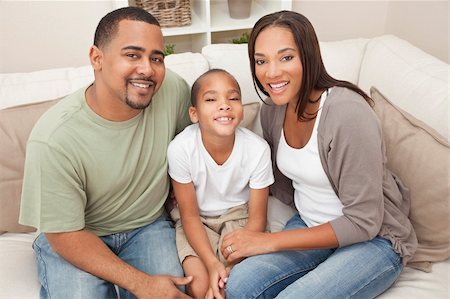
point(277, 64)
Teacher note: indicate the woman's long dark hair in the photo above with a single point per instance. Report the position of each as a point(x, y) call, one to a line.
point(314, 74)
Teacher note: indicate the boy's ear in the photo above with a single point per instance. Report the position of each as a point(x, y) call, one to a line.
point(96, 58)
point(193, 114)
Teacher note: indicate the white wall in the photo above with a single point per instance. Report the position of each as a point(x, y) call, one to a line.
point(37, 35)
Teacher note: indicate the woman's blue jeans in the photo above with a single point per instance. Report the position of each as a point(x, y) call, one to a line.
point(362, 270)
point(150, 248)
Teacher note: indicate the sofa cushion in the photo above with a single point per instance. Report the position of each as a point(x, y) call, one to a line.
point(419, 156)
point(15, 127)
point(25, 88)
point(234, 59)
point(188, 65)
point(342, 59)
point(415, 81)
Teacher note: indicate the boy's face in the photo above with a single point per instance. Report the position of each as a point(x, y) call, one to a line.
point(219, 108)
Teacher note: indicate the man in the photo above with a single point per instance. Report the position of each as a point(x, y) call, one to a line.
point(96, 179)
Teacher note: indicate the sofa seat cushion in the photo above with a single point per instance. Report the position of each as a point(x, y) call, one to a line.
point(18, 274)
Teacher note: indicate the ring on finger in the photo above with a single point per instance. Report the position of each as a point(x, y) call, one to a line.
point(230, 249)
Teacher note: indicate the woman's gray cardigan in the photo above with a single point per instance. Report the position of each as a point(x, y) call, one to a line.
point(351, 149)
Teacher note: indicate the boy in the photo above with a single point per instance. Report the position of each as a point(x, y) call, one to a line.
point(220, 175)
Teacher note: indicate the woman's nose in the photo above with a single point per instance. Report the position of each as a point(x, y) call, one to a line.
point(272, 70)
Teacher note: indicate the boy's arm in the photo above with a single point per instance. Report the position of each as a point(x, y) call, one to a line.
point(257, 209)
point(196, 235)
point(192, 225)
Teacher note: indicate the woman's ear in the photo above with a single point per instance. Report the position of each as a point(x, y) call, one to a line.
point(193, 114)
point(96, 58)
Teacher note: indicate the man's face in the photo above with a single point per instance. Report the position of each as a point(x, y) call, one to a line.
point(132, 65)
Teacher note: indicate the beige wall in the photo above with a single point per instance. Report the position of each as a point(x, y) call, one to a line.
point(423, 23)
point(37, 35)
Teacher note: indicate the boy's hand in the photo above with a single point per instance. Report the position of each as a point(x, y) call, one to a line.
point(218, 276)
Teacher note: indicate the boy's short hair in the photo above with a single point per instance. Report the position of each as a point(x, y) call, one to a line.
point(108, 25)
point(197, 84)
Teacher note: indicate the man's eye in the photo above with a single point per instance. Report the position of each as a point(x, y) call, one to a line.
point(158, 59)
point(131, 55)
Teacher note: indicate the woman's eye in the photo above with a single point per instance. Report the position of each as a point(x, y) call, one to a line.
point(259, 61)
point(287, 58)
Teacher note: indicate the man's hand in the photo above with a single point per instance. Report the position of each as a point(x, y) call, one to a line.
point(161, 286)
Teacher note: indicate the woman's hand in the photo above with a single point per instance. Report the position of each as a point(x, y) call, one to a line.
point(242, 243)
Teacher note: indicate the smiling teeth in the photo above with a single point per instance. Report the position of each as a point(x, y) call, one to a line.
point(140, 85)
point(279, 85)
point(223, 118)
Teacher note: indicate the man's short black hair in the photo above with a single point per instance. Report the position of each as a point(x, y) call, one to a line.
point(108, 25)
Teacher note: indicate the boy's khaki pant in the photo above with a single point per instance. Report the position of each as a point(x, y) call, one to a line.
point(216, 228)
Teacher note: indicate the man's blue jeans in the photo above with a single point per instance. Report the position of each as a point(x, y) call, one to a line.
point(362, 270)
point(150, 248)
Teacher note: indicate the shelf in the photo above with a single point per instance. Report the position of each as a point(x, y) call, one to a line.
point(198, 26)
point(211, 22)
point(221, 20)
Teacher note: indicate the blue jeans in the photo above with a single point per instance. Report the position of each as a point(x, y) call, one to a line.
point(361, 270)
point(150, 249)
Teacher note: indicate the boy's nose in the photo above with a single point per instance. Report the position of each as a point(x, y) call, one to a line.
point(224, 106)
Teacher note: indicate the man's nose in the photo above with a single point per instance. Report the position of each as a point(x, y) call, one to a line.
point(145, 68)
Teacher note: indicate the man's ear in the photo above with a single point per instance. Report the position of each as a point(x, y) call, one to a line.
point(96, 58)
point(193, 114)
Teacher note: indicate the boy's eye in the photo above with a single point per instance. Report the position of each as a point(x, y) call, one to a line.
point(210, 100)
point(235, 99)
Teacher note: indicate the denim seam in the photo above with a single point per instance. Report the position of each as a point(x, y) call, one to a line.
point(44, 281)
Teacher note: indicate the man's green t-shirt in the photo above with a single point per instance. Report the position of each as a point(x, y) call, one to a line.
point(83, 171)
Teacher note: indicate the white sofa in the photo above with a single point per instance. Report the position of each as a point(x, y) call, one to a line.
point(415, 82)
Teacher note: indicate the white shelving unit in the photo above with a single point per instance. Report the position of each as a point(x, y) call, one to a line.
point(211, 23)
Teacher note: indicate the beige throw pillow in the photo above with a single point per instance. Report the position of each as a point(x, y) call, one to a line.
point(251, 111)
point(15, 127)
point(420, 157)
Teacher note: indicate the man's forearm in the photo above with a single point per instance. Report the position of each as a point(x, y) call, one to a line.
point(89, 253)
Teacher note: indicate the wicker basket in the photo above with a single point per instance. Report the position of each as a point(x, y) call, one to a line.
point(169, 13)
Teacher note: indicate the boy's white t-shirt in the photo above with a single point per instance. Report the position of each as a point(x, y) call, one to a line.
point(220, 187)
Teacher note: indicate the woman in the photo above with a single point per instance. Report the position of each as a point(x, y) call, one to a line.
point(351, 236)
